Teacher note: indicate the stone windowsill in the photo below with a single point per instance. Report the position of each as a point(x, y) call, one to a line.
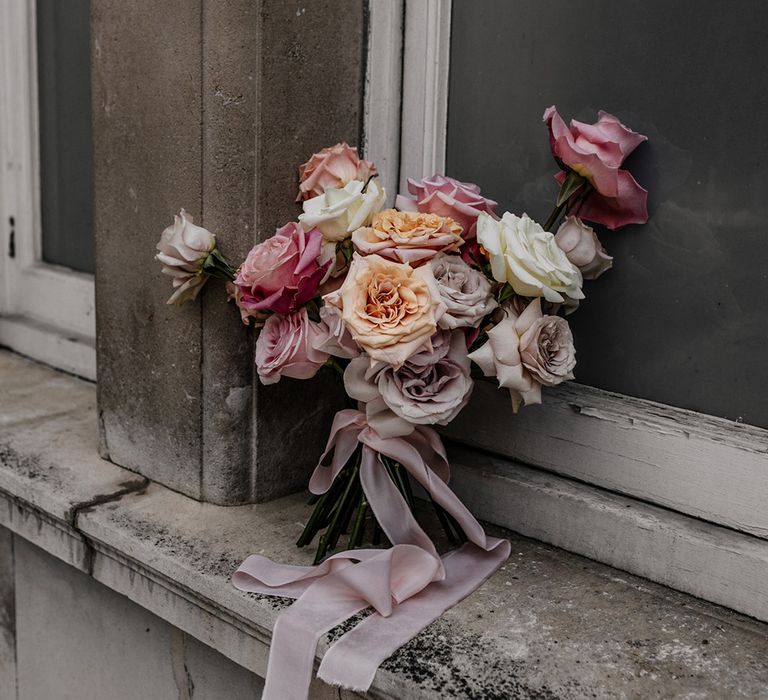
point(549, 624)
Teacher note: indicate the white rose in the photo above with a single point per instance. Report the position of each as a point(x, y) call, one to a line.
point(525, 255)
point(184, 249)
point(338, 212)
point(466, 292)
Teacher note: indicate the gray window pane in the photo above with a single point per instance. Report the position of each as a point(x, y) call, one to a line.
point(682, 318)
point(63, 54)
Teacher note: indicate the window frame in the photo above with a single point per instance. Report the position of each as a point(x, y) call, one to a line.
point(700, 465)
point(47, 311)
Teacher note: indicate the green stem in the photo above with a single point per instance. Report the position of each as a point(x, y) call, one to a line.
point(356, 536)
point(331, 536)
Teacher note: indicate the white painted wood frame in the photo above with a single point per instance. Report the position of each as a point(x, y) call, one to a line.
point(709, 468)
point(46, 311)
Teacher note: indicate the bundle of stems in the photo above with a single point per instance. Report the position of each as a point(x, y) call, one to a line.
point(344, 510)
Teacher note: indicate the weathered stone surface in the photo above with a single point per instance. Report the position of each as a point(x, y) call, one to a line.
point(549, 624)
point(215, 116)
point(146, 87)
point(7, 616)
point(93, 643)
point(48, 441)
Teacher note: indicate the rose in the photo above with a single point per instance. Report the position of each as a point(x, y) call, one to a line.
point(339, 211)
point(429, 389)
point(461, 201)
point(250, 317)
point(596, 152)
point(525, 351)
point(285, 348)
point(407, 237)
point(280, 274)
point(526, 256)
point(583, 248)
point(390, 309)
point(466, 292)
point(332, 167)
point(184, 248)
point(333, 337)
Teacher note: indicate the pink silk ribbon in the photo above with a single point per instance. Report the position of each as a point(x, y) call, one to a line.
point(408, 586)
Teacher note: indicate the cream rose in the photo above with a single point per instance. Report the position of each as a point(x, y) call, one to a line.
point(527, 351)
point(183, 249)
point(339, 211)
point(583, 248)
point(390, 309)
point(525, 255)
point(408, 237)
point(466, 292)
point(429, 389)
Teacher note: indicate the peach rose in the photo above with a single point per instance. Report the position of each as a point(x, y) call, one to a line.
point(390, 309)
point(332, 167)
point(408, 237)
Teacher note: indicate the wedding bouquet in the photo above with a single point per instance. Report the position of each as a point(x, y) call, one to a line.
point(400, 302)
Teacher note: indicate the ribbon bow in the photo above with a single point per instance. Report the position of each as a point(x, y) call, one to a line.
point(408, 585)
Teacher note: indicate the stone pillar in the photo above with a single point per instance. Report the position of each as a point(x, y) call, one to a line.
point(211, 109)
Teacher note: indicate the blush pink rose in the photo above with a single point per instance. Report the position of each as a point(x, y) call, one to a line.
point(444, 196)
point(282, 273)
point(582, 247)
point(596, 152)
point(332, 167)
point(285, 348)
point(334, 337)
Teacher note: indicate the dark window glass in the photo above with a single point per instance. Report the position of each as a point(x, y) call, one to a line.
point(683, 316)
point(63, 54)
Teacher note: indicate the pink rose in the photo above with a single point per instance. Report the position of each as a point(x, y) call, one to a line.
point(333, 337)
point(582, 247)
point(285, 348)
point(444, 196)
point(596, 152)
point(408, 237)
point(332, 167)
point(282, 273)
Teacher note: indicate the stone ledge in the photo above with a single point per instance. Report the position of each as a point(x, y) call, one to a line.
point(549, 624)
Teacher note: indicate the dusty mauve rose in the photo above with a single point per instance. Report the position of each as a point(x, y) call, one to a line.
point(429, 389)
point(583, 248)
point(408, 237)
point(284, 348)
point(596, 152)
point(332, 167)
point(282, 273)
point(525, 351)
point(183, 249)
point(334, 338)
point(391, 309)
point(445, 196)
point(526, 256)
point(466, 292)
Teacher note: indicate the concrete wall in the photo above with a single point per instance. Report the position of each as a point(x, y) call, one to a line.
point(95, 643)
point(211, 109)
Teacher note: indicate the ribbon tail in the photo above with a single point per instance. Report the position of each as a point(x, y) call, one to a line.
point(353, 660)
point(389, 506)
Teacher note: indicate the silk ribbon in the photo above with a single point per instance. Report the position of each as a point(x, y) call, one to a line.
point(408, 586)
